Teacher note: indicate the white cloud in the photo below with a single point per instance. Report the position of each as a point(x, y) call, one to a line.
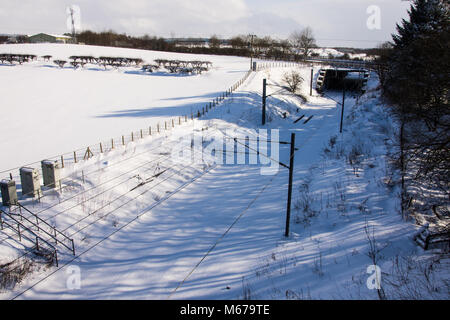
point(329, 19)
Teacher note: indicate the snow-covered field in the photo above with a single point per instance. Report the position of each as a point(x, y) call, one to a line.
point(147, 226)
point(47, 111)
point(330, 52)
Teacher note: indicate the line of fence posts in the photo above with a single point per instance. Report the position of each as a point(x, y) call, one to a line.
point(209, 106)
point(88, 153)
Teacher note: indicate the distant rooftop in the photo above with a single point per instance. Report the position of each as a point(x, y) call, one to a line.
point(53, 35)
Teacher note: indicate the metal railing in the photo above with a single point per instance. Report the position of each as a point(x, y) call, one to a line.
point(39, 226)
point(21, 231)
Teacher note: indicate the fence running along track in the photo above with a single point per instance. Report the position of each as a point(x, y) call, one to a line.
point(88, 154)
point(117, 230)
point(41, 223)
point(70, 159)
point(145, 163)
point(91, 223)
point(52, 248)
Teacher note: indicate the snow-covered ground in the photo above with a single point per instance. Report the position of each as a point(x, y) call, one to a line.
point(202, 230)
point(330, 52)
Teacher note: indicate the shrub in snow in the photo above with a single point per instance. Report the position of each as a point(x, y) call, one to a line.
point(293, 80)
point(60, 63)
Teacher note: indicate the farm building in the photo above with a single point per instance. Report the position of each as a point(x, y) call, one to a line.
point(53, 38)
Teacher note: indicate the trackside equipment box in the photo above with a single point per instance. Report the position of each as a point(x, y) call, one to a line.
point(51, 173)
point(29, 177)
point(9, 192)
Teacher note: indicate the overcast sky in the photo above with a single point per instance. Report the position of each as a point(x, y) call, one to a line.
point(334, 22)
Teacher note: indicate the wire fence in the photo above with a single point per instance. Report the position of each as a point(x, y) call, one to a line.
point(70, 159)
point(35, 225)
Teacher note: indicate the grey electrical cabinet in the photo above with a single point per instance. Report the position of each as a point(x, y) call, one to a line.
point(51, 173)
point(9, 192)
point(29, 177)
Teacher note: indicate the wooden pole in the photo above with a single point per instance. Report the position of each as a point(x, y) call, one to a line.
point(56, 259)
point(75, 156)
point(311, 84)
point(291, 173)
point(101, 148)
point(62, 162)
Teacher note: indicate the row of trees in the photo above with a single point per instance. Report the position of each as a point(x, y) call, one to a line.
point(178, 66)
point(112, 39)
point(415, 79)
point(298, 45)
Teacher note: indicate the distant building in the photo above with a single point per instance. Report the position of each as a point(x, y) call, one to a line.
point(13, 38)
point(52, 38)
point(194, 42)
point(188, 42)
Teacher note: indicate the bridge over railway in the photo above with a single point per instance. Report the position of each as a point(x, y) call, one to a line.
point(341, 63)
point(342, 78)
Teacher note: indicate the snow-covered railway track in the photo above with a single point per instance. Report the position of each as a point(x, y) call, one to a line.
point(107, 185)
point(69, 260)
point(74, 225)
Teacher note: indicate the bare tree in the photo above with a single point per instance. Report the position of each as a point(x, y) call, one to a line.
point(238, 42)
point(214, 42)
point(293, 80)
point(60, 63)
point(303, 41)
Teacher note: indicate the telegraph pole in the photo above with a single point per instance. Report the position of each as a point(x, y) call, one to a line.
point(291, 173)
point(264, 102)
point(342, 112)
